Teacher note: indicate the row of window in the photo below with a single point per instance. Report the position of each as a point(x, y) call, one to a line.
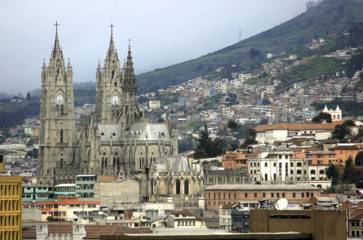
point(257, 164)
point(9, 205)
point(10, 235)
point(8, 221)
point(9, 190)
point(228, 196)
point(186, 223)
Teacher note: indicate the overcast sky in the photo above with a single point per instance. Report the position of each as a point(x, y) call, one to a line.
point(162, 32)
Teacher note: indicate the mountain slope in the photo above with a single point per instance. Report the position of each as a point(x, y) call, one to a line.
point(328, 16)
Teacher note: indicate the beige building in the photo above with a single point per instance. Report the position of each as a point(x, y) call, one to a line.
point(112, 192)
point(322, 224)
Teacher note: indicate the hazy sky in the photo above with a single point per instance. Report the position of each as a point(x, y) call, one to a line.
point(162, 32)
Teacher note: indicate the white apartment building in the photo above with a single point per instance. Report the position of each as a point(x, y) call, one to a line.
point(283, 166)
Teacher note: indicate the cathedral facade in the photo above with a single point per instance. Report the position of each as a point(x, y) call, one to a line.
point(116, 141)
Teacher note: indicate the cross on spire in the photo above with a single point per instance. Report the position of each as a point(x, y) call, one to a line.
point(56, 26)
point(112, 26)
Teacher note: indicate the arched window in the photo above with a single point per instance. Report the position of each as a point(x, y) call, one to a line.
point(61, 163)
point(62, 110)
point(186, 187)
point(177, 187)
point(61, 136)
point(312, 172)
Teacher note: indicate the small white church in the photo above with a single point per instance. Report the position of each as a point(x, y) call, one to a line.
point(336, 114)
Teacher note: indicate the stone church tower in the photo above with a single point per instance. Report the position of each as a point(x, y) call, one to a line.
point(116, 90)
point(57, 119)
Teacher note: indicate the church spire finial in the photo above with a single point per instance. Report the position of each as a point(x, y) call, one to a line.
point(56, 49)
point(112, 45)
point(56, 27)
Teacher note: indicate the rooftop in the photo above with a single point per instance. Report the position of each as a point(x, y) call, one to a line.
point(297, 126)
point(262, 187)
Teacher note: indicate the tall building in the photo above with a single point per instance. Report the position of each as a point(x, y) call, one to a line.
point(56, 114)
point(116, 141)
point(10, 206)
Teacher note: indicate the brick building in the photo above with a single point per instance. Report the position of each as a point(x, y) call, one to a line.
point(220, 195)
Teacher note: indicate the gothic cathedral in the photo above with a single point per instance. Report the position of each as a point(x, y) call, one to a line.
point(117, 141)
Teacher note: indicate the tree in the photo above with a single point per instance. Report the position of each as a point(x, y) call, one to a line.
point(207, 147)
point(322, 116)
point(359, 159)
point(332, 173)
point(232, 124)
point(204, 143)
point(255, 53)
point(349, 175)
point(349, 123)
point(341, 132)
point(250, 139)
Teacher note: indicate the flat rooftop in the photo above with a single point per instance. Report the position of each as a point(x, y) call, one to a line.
point(252, 187)
point(210, 235)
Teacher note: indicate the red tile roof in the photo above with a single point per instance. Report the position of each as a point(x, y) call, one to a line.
point(297, 126)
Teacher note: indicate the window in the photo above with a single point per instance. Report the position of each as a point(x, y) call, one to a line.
point(186, 187)
point(177, 187)
point(272, 195)
point(61, 136)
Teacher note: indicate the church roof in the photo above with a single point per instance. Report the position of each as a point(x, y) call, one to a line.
point(150, 131)
point(109, 131)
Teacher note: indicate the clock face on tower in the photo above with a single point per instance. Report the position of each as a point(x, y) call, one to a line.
point(115, 100)
point(60, 99)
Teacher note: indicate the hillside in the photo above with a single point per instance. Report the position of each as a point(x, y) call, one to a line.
point(329, 16)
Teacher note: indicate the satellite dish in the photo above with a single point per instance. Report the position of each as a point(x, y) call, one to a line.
point(281, 204)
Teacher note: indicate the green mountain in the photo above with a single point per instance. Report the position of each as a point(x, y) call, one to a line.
point(327, 17)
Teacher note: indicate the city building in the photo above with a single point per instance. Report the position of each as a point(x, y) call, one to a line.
point(234, 160)
point(65, 209)
point(33, 193)
point(154, 104)
point(65, 190)
point(220, 195)
point(270, 133)
point(322, 224)
point(85, 186)
point(236, 217)
point(10, 207)
point(345, 151)
point(185, 219)
point(355, 223)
